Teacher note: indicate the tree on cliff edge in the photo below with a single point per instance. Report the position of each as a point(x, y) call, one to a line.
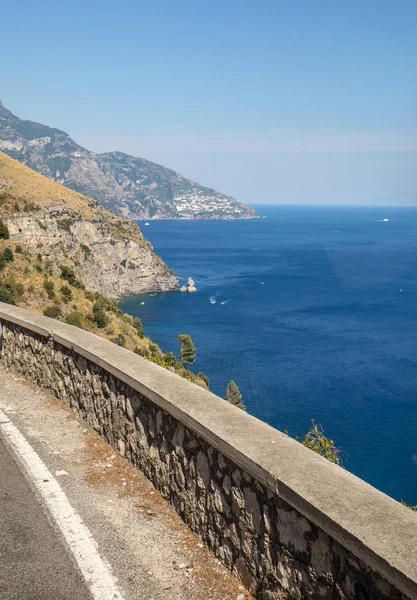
point(234, 396)
point(188, 351)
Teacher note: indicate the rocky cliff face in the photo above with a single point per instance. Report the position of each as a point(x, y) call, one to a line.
point(125, 185)
point(112, 266)
point(109, 254)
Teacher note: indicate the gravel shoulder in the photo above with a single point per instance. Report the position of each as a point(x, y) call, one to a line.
point(153, 554)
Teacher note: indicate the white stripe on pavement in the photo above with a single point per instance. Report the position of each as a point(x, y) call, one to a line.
point(97, 573)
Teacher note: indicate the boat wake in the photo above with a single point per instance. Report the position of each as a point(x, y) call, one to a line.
point(226, 301)
point(213, 298)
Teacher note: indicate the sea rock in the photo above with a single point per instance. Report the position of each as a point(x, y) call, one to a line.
point(191, 286)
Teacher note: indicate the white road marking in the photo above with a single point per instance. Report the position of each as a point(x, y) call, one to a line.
point(96, 571)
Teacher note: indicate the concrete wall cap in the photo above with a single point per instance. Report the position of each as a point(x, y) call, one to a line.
point(373, 526)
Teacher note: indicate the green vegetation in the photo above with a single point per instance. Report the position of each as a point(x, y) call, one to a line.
point(319, 443)
point(204, 378)
point(30, 206)
point(137, 324)
point(65, 224)
point(234, 396)
point(8, 255)
point(49, 288)
point(120, 340)
point(53, 311)
point(10, 291)
point(6, 195)
point(68, 274)
point(170, 359)
point(410, 506)
point(187, 351)
point(86, 250)
point(4, 231)
point(100, 317)
point(66, 294)
point(74, 318)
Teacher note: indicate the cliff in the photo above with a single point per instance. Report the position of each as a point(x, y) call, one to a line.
point(125, 185)
point(109, 254)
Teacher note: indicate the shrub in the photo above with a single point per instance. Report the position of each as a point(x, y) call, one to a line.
point(66, 294)
point(30, 206)
point(120, 339)
point(2, 262)
point(153, 349)
point(8, 255)
point(52, 311)
point(410, 506)
point(18, 249)
point(65, 224)
point(137, 324)
point(38, 267)
point(4, 231)
point(49, 288)
point(318, 442)
point(204, 377)
point(68, 274)
point(170, 359)
point(89, 295)
point(86, 250)
point(10, 291)
point(74, 318)
point(100, 317)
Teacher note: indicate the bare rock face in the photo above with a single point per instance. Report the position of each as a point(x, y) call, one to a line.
point(108, 254)
point(106, 262)
point(190, 287)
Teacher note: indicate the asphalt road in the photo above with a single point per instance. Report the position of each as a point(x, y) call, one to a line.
point(35, 563)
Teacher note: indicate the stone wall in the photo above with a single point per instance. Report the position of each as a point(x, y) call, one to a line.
point(287, 522)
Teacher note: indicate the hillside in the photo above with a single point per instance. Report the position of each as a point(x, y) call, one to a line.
point(125, 185)
point(109, 254)
point(63, 255)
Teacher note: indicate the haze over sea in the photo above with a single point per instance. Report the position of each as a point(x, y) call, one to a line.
point(314, 318)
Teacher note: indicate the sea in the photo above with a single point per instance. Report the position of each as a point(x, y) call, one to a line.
point(312, 310)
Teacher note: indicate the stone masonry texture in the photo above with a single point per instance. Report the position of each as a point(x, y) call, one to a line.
point(272, 548)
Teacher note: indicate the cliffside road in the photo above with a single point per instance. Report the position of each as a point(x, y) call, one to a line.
point(34, 561)
point(149, 552)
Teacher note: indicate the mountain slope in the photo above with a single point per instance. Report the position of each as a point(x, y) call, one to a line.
point(125, 185)
point(107, 253)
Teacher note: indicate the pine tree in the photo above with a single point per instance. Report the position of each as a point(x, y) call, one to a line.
point(234, 396)
point(187, 352)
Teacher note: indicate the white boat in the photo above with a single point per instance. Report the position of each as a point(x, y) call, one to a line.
point(146, 223)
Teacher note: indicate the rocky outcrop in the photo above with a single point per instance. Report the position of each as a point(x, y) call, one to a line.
point(125, 185)
point(190, 287)
point(112, 265)
point(107, 253)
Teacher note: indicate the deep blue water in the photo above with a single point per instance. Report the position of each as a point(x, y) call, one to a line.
point(328, 335)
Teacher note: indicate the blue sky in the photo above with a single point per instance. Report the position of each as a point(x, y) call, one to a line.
point(308, 101)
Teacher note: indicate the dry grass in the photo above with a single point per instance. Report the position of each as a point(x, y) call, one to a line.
point(22, 189)
point(24, 184)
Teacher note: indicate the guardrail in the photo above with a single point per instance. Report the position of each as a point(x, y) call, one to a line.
point(289, 523)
